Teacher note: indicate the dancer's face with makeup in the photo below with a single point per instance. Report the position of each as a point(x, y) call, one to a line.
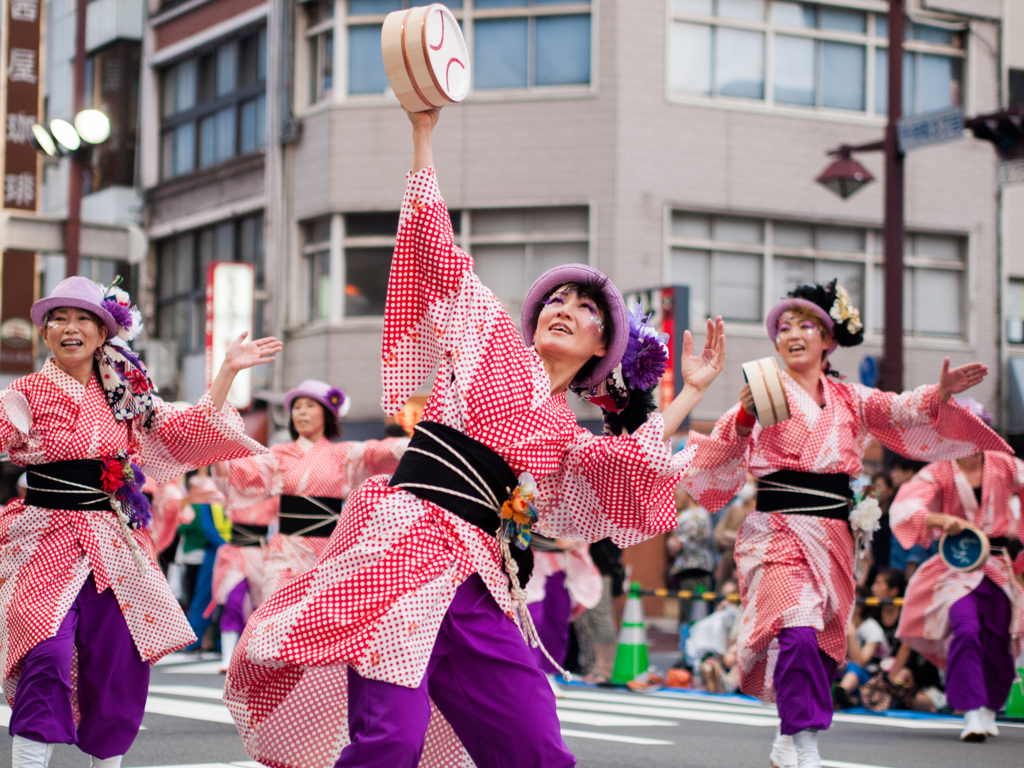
point(73, 335)
point(570, 329)
point(308, 417)
point(801, 341)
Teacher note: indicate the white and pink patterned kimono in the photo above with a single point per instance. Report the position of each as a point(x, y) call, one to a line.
point(943, 488)
point(582, 579)
point(376, 599)
point(797, 570)
point(48, 554)
point(166, 507)
point(304, 468)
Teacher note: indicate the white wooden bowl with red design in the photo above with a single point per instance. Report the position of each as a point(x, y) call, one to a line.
point(766, 386)
point(425, 57)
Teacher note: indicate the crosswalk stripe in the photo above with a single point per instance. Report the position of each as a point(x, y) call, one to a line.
point(198, 668)
point(195, 691)
point(900, 722)
point(841, 764)
point(194, 710)
point(675, 714)
point(599, 720)
point(671, 703)
point(614, 737)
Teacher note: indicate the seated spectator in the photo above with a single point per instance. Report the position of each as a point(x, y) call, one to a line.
point(690, 547)
point(711, 639)
point(866, 645)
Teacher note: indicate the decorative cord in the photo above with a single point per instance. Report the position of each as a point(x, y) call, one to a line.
point(783, 487)
point(332, 517)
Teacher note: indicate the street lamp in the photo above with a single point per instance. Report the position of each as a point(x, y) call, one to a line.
point(76, 139)
point(845, 176)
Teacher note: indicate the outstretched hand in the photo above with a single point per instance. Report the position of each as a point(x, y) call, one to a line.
point(957, 380)
point(426, 120)
point(700, 371)
point(244, 354)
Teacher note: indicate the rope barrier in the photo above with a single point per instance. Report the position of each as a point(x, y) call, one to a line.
point(734, 597)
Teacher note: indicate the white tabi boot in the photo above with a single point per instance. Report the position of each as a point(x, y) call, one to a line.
point(974, 726)
point(988, 719)
point(109, 762)
point(26, 753)
point(228, 641)
point(806, 743)
point(783, 754)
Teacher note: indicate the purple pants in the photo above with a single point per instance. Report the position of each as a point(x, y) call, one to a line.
point(483, 679)
point(979, 666)
point(113, 680)
point(803, 681)
point(232, 617)
point(551, 617)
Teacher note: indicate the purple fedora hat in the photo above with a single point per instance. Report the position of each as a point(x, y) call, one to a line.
point(577, 273)
point(76, 291)
point(772, 323)
point(329, 397)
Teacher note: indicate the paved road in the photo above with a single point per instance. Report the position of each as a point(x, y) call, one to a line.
point(186, 725)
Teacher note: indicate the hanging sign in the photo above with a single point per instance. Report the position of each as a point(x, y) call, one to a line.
point(230, 289)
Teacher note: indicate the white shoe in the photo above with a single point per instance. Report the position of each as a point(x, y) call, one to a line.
point(974, 726)
point(228, 641)
point(109, 762)
point(26, 753)
point(988, 719)
point(806, 743)
point(783, 754)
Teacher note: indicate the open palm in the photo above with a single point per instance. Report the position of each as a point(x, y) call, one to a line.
point(957, 380)
point(244, 354)
point(699, 371)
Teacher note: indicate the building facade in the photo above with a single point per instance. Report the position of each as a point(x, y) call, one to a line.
point(670, 142)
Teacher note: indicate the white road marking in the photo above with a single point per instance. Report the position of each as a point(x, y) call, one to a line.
point(901, 722)
point(194, 710)
point(199, 668)
point(599, 720)
point(195, 691)
point(641, 708)
point(613, 737)
point(671, 703)
point(5, 715)
point(841, 764)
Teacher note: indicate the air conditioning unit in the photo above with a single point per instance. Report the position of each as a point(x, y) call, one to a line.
point(161, 360)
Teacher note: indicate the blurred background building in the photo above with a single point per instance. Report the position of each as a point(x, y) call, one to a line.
point(671, 142)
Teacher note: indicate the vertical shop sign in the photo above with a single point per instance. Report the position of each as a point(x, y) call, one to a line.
point(230, 304)
point(21, 89)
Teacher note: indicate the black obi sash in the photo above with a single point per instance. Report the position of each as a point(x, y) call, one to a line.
point(243, 535)
point(58, 485)
point(313, 516)
point(1012, 546)
point(462, 475)
point(805, 493)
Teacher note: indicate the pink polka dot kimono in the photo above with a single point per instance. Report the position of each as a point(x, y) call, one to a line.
point(377, 597)
point(48, 554)
point(797, 570)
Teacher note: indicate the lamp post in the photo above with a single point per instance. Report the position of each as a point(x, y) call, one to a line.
point(845, 176)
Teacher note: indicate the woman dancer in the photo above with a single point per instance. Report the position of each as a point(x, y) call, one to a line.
point(972, 623)
point(794, 553)
point(85, 610)
point(302, 484)
point(408, 618)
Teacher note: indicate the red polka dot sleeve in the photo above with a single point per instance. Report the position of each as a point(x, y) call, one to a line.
point(717, 466)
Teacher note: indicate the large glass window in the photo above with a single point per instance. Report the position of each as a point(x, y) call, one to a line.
point(320, 43)
point(517, 44)
point(806, 55)
point(214, 105)
point(317, 254)
point(728, 261)
point(182, 266)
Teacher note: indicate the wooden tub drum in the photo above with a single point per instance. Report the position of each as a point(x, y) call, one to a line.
point(425, 57)
point(766, 386)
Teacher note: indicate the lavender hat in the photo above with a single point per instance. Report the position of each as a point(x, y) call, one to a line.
point(619, 319)
point(772, 323)
point(80, 292)
point(972, 405)
point(329, 397)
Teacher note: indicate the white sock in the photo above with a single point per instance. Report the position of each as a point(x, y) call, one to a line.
point(783, 754)
point(806, 742)
point(26, 753)
point(110, 762)
point(228, 641)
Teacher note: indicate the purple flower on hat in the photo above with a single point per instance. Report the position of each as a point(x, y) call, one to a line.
point(646, 355)
point(122, 315)
point(336, 398)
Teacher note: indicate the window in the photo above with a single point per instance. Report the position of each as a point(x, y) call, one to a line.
point(513, 247)
point(112, 86)
point(934, 280)
point(182, 264)
point(727, 262)
point(317, 253)
point(805, 55)
point(1015, 311)
point(105, 271)
point(518, 44)
point(320, 42)
point(214, 105)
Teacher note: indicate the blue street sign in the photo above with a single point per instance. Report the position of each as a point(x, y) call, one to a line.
point(930, 128)
point(868, 371)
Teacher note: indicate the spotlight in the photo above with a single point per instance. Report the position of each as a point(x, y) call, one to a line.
point(66, 135)
point(93, 126)
point(41, 140)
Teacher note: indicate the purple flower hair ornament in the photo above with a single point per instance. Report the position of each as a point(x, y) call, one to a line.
point(128, 318)
point(646, 354)
point(339, 403)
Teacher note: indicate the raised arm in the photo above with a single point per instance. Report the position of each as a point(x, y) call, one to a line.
point(917, 509)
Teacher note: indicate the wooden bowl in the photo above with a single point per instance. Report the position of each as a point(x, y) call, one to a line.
point(425, 57)
point(766, 386)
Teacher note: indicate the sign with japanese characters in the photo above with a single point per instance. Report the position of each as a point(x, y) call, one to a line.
point(22, 87)
point(230, 306)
